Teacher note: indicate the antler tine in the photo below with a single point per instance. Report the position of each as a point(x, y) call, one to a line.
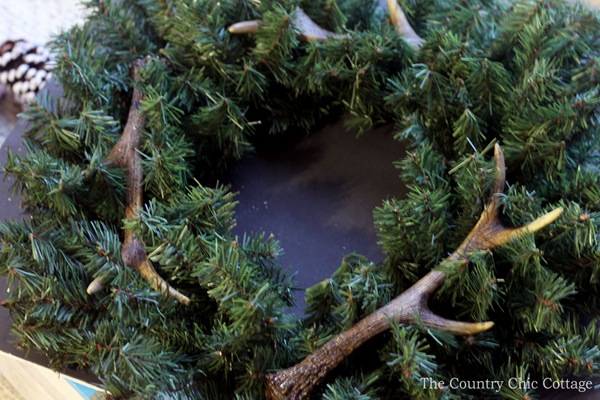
point(96, 285)
point(308, 29)
point(498, 186)
point(246, 27)
point(489, 232)
point(401, 23)
point(125, 155)
point(151, 276)
point(410, 307)
point(434, 321)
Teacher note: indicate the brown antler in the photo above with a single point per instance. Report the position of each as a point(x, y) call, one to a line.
point(401, 23)
point(125, 155)
point(308, 30)
point(297, 382)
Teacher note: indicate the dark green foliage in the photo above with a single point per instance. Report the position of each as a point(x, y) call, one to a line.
point(407, 359)
point(523, 74)
point(352, 389)
point(354, 291)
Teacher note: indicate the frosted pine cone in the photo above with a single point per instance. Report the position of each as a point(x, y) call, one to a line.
point(24, 68)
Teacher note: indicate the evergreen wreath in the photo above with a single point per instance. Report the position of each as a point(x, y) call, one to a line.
point(158, 90)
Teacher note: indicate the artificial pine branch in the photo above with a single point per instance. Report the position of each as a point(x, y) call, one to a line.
point(126, 155)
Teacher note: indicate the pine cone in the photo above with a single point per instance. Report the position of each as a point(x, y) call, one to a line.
point(24, 68)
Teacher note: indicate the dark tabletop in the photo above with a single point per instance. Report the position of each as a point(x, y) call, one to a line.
point(316, 193)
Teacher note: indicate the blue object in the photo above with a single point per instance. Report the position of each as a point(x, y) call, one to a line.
point(85, 391)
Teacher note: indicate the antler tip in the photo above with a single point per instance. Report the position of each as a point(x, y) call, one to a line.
point(544, 220)
point(95, 286)
point(245, 27)
point(470, 328)
point(482, 327)
point(158, 283)
point(179, 297)
point(497, 150)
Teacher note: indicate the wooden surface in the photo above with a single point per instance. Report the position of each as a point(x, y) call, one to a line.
point(33, 382)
